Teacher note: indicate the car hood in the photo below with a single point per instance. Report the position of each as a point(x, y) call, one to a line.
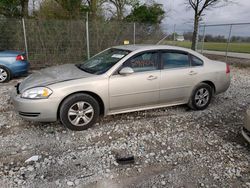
point(53, 75)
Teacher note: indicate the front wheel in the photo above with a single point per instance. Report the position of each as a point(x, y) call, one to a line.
point(79, 112)
point(201, 97)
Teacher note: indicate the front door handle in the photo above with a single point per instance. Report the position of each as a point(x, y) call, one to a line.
point(192, 73)
point(152, 77)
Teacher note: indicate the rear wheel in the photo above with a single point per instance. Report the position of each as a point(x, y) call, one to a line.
point(201, 97)
point(4, 74)
point(79, 112)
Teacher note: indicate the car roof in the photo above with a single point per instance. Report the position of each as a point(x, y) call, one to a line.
point(142, 47)
point(146, 47)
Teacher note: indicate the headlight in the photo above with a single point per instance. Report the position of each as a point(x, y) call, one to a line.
point(37, 93)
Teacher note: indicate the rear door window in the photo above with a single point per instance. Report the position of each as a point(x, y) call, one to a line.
point(195, 61)
point(174, 59)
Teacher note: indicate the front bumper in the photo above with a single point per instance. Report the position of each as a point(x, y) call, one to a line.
point(42, 110)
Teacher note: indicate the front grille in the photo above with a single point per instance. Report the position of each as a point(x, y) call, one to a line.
point(247, 132)
point(29, 114)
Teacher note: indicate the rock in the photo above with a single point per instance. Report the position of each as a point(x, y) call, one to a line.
point(13, 153)
point(19, 182)
point(57, 182)
point(163, 183)
point(70, 183)
point(30, 168)
point(77, 182)
point(33, 158)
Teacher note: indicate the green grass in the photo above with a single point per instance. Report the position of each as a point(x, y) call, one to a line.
point(215, 46)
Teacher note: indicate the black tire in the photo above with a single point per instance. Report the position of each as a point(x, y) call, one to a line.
point(8, 77)
point(72, 102)
point(194, 102)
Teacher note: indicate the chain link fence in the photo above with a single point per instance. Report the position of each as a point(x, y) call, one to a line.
point(221, 39)
point(52, 42)
point(225, 39)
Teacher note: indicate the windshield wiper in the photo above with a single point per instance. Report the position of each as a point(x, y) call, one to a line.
point(84, 69)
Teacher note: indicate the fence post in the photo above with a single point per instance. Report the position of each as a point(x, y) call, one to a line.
point(87, 34)
point(25, 39)
point(203, 38)
point(228, 40)
point(174, 35)
point(134, 33)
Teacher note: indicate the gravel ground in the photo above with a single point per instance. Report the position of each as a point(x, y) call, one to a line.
point(173, 147)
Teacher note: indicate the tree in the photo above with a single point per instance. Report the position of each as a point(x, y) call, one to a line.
point(199, 6)
point(152, 14)
point(24, 8)
point(95, 8)
point(120, 6)
point(61, 9)
point(14, 8)
point(72, 7)
point(50, 9)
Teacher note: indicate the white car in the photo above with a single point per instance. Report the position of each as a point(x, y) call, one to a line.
point(118, 80)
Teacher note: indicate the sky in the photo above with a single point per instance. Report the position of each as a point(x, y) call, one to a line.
point(179, 14)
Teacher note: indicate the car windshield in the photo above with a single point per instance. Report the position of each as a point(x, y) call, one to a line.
point(102, 62)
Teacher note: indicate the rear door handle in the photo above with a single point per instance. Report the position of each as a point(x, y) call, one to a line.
point(192, 73)
point(152, 77)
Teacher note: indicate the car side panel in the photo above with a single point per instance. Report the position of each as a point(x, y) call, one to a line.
point(134, 90)
point(175, 85)
point(96, 84)
point(216, 73)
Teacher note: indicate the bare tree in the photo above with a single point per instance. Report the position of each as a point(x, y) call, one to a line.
point(199, 6)
point(120, 6)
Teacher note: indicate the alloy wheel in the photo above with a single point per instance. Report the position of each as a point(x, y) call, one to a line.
point(202, 97)
point(80, 113)
point(3, 75)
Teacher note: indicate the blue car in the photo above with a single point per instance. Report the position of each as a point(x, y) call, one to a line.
point(12, 64)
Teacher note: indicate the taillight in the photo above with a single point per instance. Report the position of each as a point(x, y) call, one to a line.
point(228, 69)
point(20, 57)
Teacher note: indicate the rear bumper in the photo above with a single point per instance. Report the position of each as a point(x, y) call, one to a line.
point(20, 67)
point(223, 84)
point(42, 110)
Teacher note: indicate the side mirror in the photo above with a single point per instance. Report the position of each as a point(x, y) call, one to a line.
point(126, 71)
